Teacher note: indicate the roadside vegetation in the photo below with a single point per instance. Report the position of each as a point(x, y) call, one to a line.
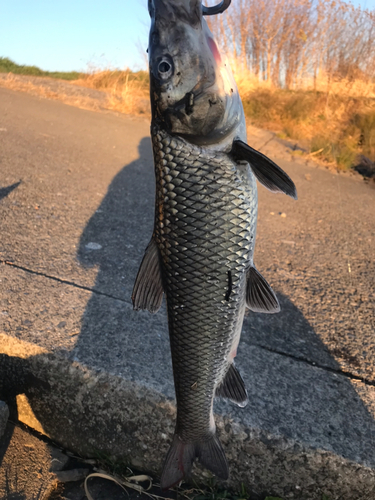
point(9, 66)
point(336, 124)
point(304, 68)
point(210, 489)
point(128, 91)
point(334, 127)
point(129, 479)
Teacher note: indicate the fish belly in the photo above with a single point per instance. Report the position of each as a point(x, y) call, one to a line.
point(205, 223)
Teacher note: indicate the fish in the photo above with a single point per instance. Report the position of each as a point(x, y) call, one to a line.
point(201, 253)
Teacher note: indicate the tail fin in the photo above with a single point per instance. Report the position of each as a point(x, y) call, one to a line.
point(211, 455)
point(181, 456)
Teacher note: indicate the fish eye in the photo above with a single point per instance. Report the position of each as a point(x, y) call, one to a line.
point(165, 68)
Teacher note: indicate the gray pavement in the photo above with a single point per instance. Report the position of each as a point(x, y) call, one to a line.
point(76, 201)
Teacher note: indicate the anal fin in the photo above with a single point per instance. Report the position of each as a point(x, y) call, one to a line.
point(265, 170)
point(148, 286)
point(233, 387)
point(259, 295)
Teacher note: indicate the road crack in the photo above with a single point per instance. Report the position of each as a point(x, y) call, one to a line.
point(299, 359)
point(65, 282)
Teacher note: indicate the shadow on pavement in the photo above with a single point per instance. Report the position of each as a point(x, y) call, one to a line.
point(114, 339)
point(6, 190)
point(122, 226)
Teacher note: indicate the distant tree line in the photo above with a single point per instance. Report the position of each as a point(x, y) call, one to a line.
point(287, 41)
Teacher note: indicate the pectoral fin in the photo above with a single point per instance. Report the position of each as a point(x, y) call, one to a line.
point(233, 387)
point(265, 170)
point(259, 295)
point(148, 286)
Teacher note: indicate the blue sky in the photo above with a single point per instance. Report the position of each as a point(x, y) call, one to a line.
point(71, 34)
point(67, 35)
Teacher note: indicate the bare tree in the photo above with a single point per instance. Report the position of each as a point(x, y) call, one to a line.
point(285, 41)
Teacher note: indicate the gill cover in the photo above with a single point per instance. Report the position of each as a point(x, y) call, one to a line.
point(193, 92)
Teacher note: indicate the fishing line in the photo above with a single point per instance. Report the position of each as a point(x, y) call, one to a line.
point(346, 240)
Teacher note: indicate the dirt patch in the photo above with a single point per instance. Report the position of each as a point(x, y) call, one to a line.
point(61, 90)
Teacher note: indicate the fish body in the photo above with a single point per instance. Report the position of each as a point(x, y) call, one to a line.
point(205, 231)
point(201, 251)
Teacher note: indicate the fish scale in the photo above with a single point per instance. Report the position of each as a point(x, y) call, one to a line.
point(202, 233)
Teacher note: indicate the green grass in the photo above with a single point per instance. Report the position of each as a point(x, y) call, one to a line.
point(9, 66)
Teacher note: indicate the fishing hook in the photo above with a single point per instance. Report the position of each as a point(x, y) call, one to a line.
point(216, 9)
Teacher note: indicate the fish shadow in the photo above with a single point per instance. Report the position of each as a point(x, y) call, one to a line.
point(284, 346)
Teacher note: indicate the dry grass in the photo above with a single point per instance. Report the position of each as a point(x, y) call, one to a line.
point(333, 120)
point(34, 87)
point(336, 125)
point(128, 92)
point(125, 91)
point(343, 87)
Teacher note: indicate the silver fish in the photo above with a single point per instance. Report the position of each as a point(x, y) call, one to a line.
point(201, 251)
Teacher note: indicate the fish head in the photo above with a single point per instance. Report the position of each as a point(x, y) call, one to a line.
point(193, 92)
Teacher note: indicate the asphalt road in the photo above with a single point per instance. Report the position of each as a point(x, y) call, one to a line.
point(76, 213)
point(73, 180)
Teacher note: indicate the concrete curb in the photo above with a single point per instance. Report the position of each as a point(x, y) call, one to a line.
point(90, 412)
